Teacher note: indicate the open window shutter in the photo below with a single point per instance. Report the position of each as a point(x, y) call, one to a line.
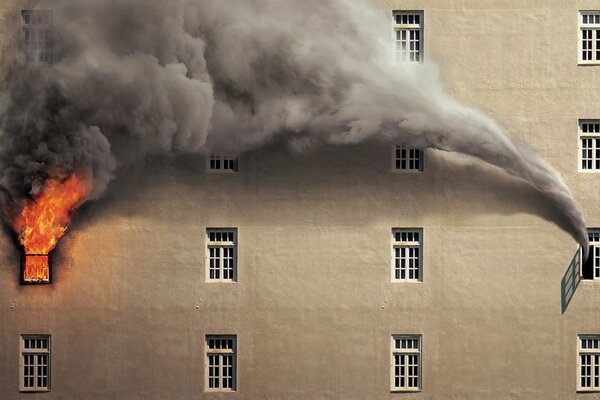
point(587, 269)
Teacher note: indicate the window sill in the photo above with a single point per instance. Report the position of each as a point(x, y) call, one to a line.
point(587, 63)
point(34, 390)
point(406, 390)
point(588, 390)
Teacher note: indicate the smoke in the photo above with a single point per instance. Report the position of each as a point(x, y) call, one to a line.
point(132, 78)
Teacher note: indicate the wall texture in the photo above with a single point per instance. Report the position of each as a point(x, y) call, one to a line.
point(314, 307)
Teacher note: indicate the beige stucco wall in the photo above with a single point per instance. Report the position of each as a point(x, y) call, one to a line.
point(314, 307)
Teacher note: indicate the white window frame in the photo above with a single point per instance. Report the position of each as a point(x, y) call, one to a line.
point(594, 140)
point(407, 27)
point(408, 244)
point(37, 35)
point(594, 28)
point(223, 244)
point(34, 353)
point(408, 159)
point(594, 367)
point(405, 352)
point(220, 353)
point(216, 163)
point(594, 240)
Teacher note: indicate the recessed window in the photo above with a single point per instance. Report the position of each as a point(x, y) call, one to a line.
point(407, 247)
point(37, 30)
point(221, 254)
point(589, 145)
point(220, 364)
point(408, 36)
point(406, 363)
point(406, 159)
point(589, 37)
point(590, 269)
point(221, 163)
point(589, 363)
point(35, 363)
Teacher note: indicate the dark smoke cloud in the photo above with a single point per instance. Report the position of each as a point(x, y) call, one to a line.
point(138, 77)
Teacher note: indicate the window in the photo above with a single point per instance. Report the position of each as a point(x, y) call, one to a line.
point(589, 145)
point(35, 363)
point(219, 163)
point(589, 37)
point(589, 363)
point(406, 254)
point(221, 254)
point(406, 363)
point(590, 269)
point(406, 159)
point(408, 36)
point(38, 35)
point(220, 363)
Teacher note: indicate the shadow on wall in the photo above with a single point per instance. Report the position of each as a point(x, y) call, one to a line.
point(570, 281)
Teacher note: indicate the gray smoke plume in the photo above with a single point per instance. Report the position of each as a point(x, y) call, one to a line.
point(133, 78)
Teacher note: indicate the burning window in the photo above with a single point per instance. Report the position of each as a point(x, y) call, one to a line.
point(221, 255)
point(220, 364)
point(406, 254)
point(408, 36)
point(405, 159)
point(35, 363)
point(589, 145)
point(590, 269)
point(220, 163)
point(38, 35)
point(589, 363)
point(589, 37)
point(36, 268)
point(406, 363)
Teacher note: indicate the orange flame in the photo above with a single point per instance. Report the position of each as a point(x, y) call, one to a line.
point(44, 220)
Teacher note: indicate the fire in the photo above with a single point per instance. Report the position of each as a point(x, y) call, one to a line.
point(44, 220)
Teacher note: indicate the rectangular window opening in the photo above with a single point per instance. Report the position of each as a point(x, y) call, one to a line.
point(406, 363)
point(589, 37)
point(408, 36)
point(407, 159)
point(34, 370)
point(221, 254)
point(407, 257)
point(221, 363)
point(222, 163)
point(37, 32)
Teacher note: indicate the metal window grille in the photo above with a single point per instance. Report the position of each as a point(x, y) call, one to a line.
point(221, 363)
point(38, 35)
point(589, 26)
point(406, 247)
point(221, 248)
point(220, 163)
point(408, 35)
point(407, 159)
point(35, 363)
point(589, 362)
point(594, 238)
point(589, 137)
point(406, 363)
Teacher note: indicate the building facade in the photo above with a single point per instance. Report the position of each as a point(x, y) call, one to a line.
point(354, 272)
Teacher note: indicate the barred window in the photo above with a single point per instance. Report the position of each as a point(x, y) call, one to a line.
point(221, 254)
point(589, 37)
point(590, 269)
point(406, 254)
point(223, 163)
point(35, 363)
point(589, 145)
point(406, 363)
point(38, 35)
point(408, 36)
point(220, 363)
point(589, 363)
point(405, 159)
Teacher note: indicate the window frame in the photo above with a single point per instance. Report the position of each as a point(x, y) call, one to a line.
point(595, 253)
point(234, 158)
point(37, 28)
point(35, 352)
point(221, 244)
point(420, 27)
point(592, 352)
point(420, 158)
point(581, 135)
point(419, 352)
point(587, 26)
point(210, 352)
point(407, 244)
